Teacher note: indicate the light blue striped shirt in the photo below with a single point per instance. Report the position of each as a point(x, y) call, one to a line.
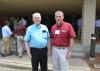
point(6, 32)
point(37, 36)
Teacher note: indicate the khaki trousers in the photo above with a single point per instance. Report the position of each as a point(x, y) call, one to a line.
point(20, 45)
point(60, 61)
point(6, 45)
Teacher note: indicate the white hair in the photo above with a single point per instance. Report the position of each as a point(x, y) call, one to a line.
point(35, 15)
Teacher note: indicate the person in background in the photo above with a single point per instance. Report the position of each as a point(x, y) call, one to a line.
point(24, 22)
point(6, 33)
point(20, 32)
point(79, 23)
point(15, 21)
point(97, 28)
point(62, 38)
point(37, 43)
point(1, 24)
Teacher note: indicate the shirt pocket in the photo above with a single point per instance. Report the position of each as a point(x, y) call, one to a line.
point(44, 34)
point(63, 35)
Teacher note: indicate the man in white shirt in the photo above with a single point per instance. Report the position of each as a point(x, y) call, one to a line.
point(6, 33)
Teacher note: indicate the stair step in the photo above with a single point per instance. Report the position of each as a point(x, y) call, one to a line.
point(78, 55)
point(77, 51)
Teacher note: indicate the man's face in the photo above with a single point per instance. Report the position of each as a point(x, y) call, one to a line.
point(59, 18)
point(37, 20)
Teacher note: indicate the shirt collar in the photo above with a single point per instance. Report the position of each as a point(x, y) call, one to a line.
point(38, 26)
point(60, 25)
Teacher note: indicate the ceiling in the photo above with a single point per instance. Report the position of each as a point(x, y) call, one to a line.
point(45, 7)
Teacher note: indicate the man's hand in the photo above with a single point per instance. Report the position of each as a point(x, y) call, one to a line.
point(28, 49)
point(49, 52)
point(29, 54)
point(69, 54)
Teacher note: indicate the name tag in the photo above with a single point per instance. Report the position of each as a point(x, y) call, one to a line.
point(57, 31)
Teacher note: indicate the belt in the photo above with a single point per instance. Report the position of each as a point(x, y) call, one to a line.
point(19, 35)
point(38, 48)
point(60, 47)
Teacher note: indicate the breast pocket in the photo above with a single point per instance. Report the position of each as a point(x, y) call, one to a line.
point(63, 35)
point(44, 33)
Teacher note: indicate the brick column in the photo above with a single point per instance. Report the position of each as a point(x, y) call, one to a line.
point(88, 17)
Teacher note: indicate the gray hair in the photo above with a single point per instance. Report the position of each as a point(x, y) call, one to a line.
point(59, 12)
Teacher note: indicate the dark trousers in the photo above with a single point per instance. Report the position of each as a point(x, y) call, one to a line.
point(39, 56)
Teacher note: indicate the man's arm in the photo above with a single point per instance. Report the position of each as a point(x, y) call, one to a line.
point(69, 53)
point(49, 48)
point(28, 49)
